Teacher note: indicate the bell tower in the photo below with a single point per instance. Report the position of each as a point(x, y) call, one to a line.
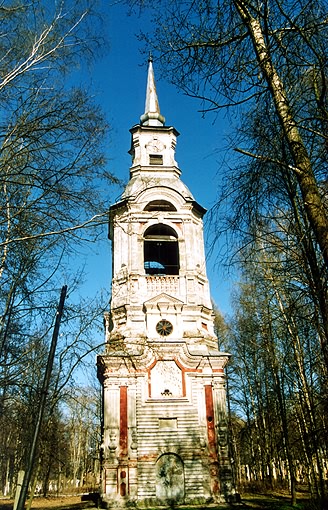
point(164, 398)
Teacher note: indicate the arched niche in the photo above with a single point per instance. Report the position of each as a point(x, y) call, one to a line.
point(166, 380)
point(170, 484)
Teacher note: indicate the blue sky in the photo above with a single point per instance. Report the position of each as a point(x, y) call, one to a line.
point(119, 81)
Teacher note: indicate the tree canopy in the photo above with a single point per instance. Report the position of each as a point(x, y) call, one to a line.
point(55, 189)
point(265, 63)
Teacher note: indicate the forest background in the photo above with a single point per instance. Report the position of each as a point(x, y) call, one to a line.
point(264, 65)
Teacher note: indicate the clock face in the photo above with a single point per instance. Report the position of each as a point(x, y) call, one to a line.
point(164, 328)
point(155, 146)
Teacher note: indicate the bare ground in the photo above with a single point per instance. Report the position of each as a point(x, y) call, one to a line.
point(59, 503)
point(272, 501)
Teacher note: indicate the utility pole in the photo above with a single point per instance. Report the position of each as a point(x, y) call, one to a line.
point(43, 398)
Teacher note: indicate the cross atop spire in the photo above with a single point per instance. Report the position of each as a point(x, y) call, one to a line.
point(152, 115)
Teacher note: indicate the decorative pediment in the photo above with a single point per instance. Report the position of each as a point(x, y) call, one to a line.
point(164, 298)
point(163, 302)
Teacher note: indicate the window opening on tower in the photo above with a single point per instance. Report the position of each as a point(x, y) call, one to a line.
point(155, 159)
point(161, 251)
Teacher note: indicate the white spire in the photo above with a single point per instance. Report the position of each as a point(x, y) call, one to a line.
point(152, 115)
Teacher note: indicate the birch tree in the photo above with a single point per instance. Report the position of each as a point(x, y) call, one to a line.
point(54, 193)
point(277, 379)
point(266, 63)
point(236, 53)
point(53, 180)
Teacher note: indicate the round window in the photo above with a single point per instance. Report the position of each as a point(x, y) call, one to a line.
point(164, 327)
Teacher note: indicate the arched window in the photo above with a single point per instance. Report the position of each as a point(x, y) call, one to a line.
point(161, 251)
point(160, 205)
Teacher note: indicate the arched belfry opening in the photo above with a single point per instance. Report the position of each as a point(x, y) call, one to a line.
point(161, 250)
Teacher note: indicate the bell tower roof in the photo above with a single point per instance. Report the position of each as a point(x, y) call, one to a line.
point(152, 115)
point(153, 151)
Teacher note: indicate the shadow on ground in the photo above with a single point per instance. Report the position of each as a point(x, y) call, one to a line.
point(248, 502)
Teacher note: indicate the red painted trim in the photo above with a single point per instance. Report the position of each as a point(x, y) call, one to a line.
point(210, 421)
point(184, 391)
point(187, 370)
point(123, 420)
point(149, 374)
point(213, 457)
